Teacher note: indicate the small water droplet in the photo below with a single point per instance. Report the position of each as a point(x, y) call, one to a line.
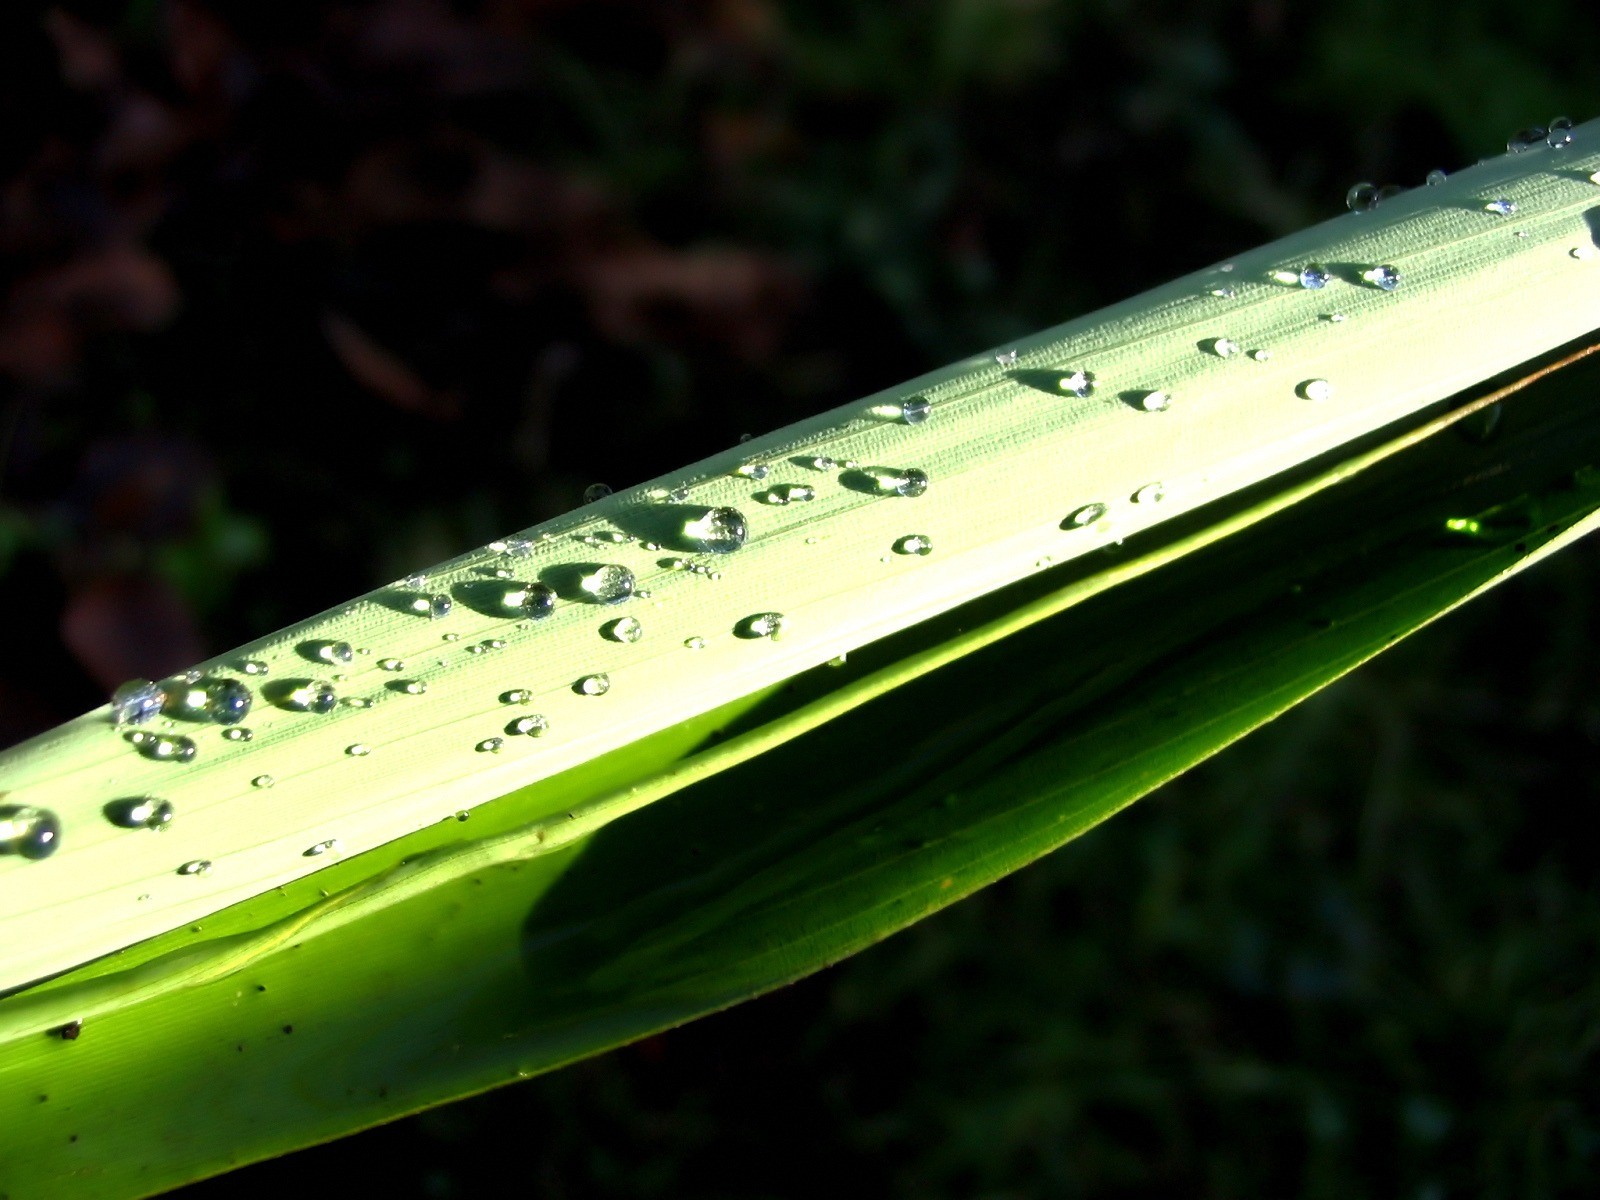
point(1315, 389)
point(237, 734)
point(136, 702)
point(195, 866)
point(1224, 293)
point(31, 832)
point(788, 493)
point(253, 666)
point(263, 781)
point(1385, 278)
point(1362, 197)
point(450, 637)
point(1153, 401)
point(413, 687)
point(1087, 515)
point(227, 701)
point(356, 702)
point(391, 664)
point(694, 643)
point(322, 848)
point(1435, 178)
point(1526, 139)
point(593, 685)
point(1260, 355)
point(164, 747)
point(1559, 136)
point(335, 652)
point(1582, 252)
point(416, 581)
point(1006, 359)
point(516, 696)
point(1334, 318)
point(623, 629)
point(438, 606)
point(140, 812)
point(596, 491)
point(1150, 493)
point(1079, 383)
point(753, 470)
point(761, 625)
point(533, 725)
point(490, 745)
point(820, 462)
point(1314, 276)
point(607, 584)
point(358, 749)
point(915, 410)
point(1500, 206)
point(1223, 347)
point(914, 543)
point(717, 530)
point(313, 696)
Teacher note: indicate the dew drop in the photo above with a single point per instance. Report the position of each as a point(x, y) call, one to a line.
point(821, 462)
point(1526, 139)
point(1362, 197)
point(356, 702)
point(263, 781)
point(761, 625)
point(607, 584)
point(533, 600)
point(1314, 276)
point(253, 666)
point(391, 664)
point(694, 643)
point(438, 606)
point(1260, 355)
point(136, 702)
point(413, 687)
point(517, 548)
point(33, 833)
point(313, 696)
point(596, 491)
point(529, 726)
point(335, 652)
point(516, 696)
point(416, 582)
point(1223, 347)
point(1315, 389)
point(1153, 401)
point(237, 734)
point(1560, 134)
point(358, 749)
point(1582, 252)
point(164, 747)
point(490, 745)
point(1150, 493)
point(140, 812)
point(1224, 293)
point(593, 685)
point(623, 629)
point(1087, 515)
point(228, 701)
point(1500, 206)
point(195, 866)
point(717, 530)
point(1006, 359)
point(753, 470)
point(914, 543)
point(1385, 278)
point(322, 848)
point(1435, 178)
point(1079, 383)
point(915, 410)
point(788, 493)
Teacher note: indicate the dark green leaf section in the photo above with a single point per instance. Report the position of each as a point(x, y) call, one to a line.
point(816, 849)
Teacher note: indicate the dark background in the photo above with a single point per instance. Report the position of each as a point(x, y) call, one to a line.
point(299, 297)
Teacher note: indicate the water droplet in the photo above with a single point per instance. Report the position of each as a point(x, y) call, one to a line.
point(1224, 293)
point(1260, 355)
point(1334, 318)
point(322, 848)
point(263, 781)
point(1315, 389)
point(358, 749)
point(717, 530)
point(490, 745)
point(1500, 206)
point(313, 696)
point(531, 726)
point(1153, 401)
point(1582, 252)
point(356, 702)
point(335, 652)
point(33, 833)
point(195, 866)
point(914, 543)
point(1079, 383)
point(593, 685)
point(253, 666)
point(915, 410)
point(1150, 493)
point(416, 582)
point(820, 462)
point(140, 812)
point(136, 702)
point(1560, 134)
point(788, 493)
point(163, 747)
point(595, 491)
point(607, 584)
point(1526, 139)
point(1223, 347)
point(1314, 276)
point(623, 629)
point(1006, 359)
point(438, 606)
point(516, 696)
point(1385, 278)
point(237, 734)
point(413, 687)
point(228, 701)
point(391, 664)
point(1435, 178)
point(761, 625)
point(450, 637)
point(1087, 515)
point(694, 643)
point(753, 470)
point(1362, 197)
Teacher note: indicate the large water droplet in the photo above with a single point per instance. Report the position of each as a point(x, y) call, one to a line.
point(532, 725)
point(1560, 134)
point(761, 625)
point(333, 652)
point(1087, 515)
point(312, 696)
point(195, 866)
point(623, 629)
point(1435, 177)
point(596, 491)
point(228, 701)
point(1526, 139)
point(915, 410)
point(533, 600)
point(1314, 276)
point(136, 702)
point(434, 607)
point(1315, 389)
point(914, 543)
point(33, 833)
point(1079, 383)
point(1500, 206)
point(163, 747)
point(607, 584)
point(593, 685)
point(717, 530)
point(1362, 197)
point(140, 812)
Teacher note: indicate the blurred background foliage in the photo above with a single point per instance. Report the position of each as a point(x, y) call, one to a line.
point(299, 296)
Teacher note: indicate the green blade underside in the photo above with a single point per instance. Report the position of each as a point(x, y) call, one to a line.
point(463, 975)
